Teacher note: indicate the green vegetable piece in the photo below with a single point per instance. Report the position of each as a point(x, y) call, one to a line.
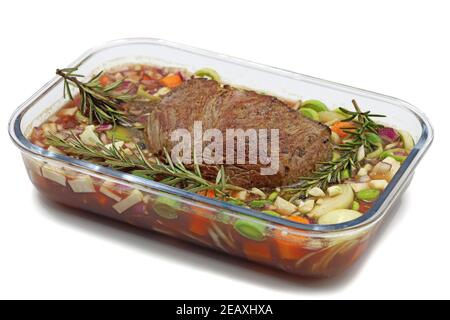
point(376, 153)
point(336, 156)
point(345, 174)
point(310, 113)
point(147, 96)
point(120, 133)
point(368, 194)
point(236, 202)
point(259, 203)
point(355, 205)
point(251, 229)
point(208, 73)
point(390, 153)
point(271, 213)
point(81, 118)
point(272, 196)
point(407, 139)
point(167, 208)
point(373, 138)
point(316, 105)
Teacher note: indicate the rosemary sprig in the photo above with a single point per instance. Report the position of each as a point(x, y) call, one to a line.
point(97, 102)
point(350, 153)
point(167, 172)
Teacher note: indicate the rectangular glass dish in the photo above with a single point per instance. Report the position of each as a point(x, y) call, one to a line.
point(307, 250)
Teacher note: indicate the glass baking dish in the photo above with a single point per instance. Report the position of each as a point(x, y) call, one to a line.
point(306, 250)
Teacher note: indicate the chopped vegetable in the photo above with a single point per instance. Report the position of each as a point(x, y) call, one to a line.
point(207, 73)
point(316, 105)
point(306, 206)
point(340, 127)
point(334, 191)
point(316, 192)
point(134, 198)
point(284, 206)
point(54, 174)
point(310, 113)
point(339, 216)
point(167, 208)
point(330, 116)
point(259, 203)
point(378, 184)
point(368, 194)
point(120, 133)
point(89, 137)
point(272, 196)
point(388, 134)
point(355, 205)
point(407, 139)
point(82, 184)
point(171, 81)
point(341, 201)
point(251, 229)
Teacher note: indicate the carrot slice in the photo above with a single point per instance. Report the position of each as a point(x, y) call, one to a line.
point(290, 246)
point(339, 127)
point(198, 224)
point(258, 251)
point(104, 80)
point(171, 80)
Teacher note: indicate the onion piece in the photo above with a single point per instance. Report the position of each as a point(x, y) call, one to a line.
point(381, 167)
point(388, 134)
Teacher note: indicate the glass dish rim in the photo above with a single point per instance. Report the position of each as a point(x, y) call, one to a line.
point(374, 214)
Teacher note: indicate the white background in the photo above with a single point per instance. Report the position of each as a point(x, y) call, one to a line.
point(400, 48)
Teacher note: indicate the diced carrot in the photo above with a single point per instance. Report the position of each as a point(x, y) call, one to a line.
point(289, 246)
point(146, 77)
point(258, 251)
point(299, 219)
point(339, 127)
point(104, 80)
point(171, 80)
point(198, 224)
point(103, 200)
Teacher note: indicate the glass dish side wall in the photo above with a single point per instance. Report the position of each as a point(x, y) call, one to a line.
point(303, 253)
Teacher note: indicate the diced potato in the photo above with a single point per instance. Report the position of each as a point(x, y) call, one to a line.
point(34, 165)
point(316, 192)
point(54, 174)
point(284, 206)
point(362, 172)
point(241, 195)
point(358, 186)
point(395, 165)
point(134, 198)
point(368, 167)
point(306, 206)
point(106, 190)
point(82, 184)
point(378, 184)
point(334, 191)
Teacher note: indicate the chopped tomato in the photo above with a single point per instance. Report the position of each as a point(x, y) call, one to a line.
point(364, 206)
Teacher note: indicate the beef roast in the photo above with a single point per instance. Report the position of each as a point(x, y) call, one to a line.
point(302, 142)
